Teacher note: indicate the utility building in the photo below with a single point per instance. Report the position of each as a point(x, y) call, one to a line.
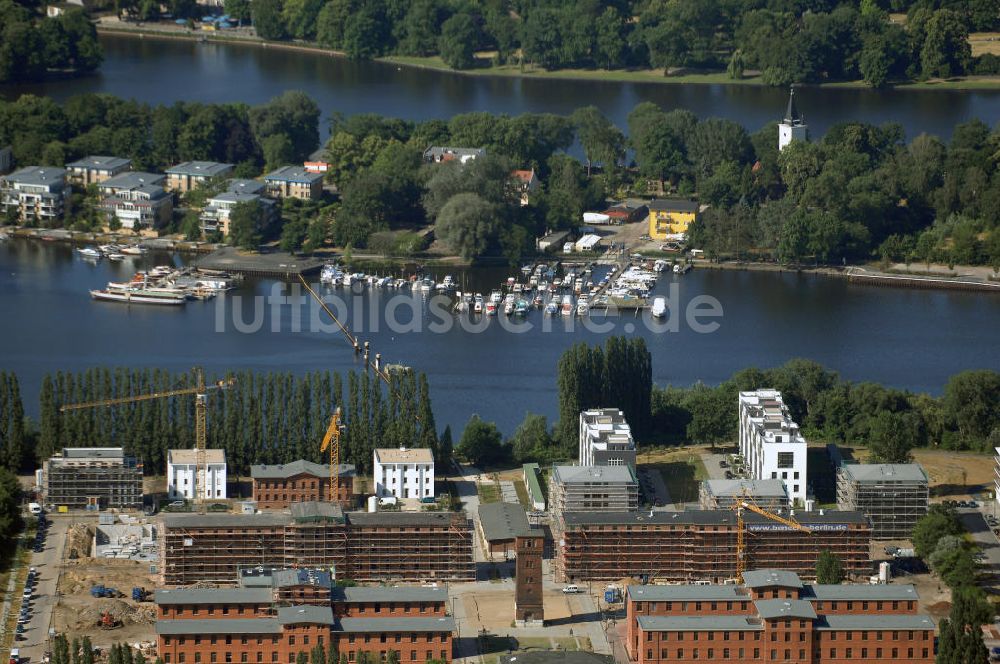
point(92, 478)
point(770, 442)
point(606, 439)
point(892, 495)
point(182, 470)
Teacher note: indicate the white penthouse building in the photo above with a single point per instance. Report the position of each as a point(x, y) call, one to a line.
point(404, 473)
point(182, 469)
point(770, 442)
point(606, 439)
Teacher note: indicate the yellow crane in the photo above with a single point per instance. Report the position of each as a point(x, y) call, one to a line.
point(331, 442)
point(745, 502)
point(200, 392)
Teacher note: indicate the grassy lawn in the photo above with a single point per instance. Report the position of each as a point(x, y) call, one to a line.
point(488, 493)
point(682, 477)
point(522, 494)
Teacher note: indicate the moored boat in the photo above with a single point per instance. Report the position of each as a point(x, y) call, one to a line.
point(139, 296)
point(89, 252)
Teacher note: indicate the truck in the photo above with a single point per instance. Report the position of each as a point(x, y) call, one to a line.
point(100, 590)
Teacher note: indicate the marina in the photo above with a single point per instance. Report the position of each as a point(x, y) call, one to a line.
point(166, 285)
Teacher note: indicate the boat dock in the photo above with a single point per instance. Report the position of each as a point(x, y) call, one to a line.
point(278, 265)
point(859, 276)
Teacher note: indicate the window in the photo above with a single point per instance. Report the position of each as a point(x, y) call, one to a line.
point(180, 658)
point(680, 653)
point(833, 653)
point(725, 653)
point(864, 653)
point(850, 653)
point(197, 656)
point(795, 475)
point(756, 653)
point(925, 653)
point(244, 658)
point(212, 657)
point(786, 459)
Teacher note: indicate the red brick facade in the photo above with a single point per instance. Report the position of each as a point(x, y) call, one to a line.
point(279, 493)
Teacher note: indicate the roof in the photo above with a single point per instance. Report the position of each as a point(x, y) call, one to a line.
point(316, 615)
point(214, 596)
point(245, 186)
point(362, 594)
point(592, 474)
point(714, 592)
point(132, 180)
point(316, 510)
point(37, 175)
point(503, 521)
point(181, 521)
point(861, 591)
point(792, 115)
point(404, 455)
point(439, 153)
point(200, 169)
point(828, 520)
point(219, 626)
point(756, 488)
point(300, 467)
point(356, 625)
point(523, 175)
point(884, 472)
point(234, 197)
point(698, 623)
point(98, 162)
point(294, 174)
point(93, 452)
point(883, 621)
point(785, 608)
point(442, 519)
point(769, 578)
point(191, 456)
point(254, 577)
point(673, 205)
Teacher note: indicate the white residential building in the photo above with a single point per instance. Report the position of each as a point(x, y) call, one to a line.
point(36, 193)
point(606, 439)
point(404, 473)
point(770, 442)
point(181, 470)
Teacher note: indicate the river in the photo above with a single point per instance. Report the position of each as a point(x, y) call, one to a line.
point(911, 339)
point(160, 71)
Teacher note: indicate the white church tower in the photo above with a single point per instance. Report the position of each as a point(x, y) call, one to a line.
point(792, 127)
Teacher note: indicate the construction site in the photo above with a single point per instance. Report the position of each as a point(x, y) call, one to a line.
point(92, 478)
point(893, 496)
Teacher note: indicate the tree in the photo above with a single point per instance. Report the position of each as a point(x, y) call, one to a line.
point(938, 522)
point(238, 9)
point(972, 405)
point(602, 142)
point(364, 34)
point(946, 50)
point(458, 41)
point(10, 499)
point(293, 115)
point(891, 436)
point(829, 569)
point(531, 441)
point(712, 420)
point(467, 224)
point(245, 224)
point(267, 19)
point(481, 443)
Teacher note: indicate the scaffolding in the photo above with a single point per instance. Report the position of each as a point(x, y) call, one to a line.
point(93, 479)
point(893, 496)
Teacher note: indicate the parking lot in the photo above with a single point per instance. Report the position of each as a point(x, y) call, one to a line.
point(45, 560)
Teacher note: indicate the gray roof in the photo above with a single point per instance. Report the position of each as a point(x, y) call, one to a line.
point(200, 168)
point(234, 197)
point(592, 474)
point(315, 615)
point(362, 594)
point(439, 624)
point(881, 621)
point(300, 467)
point(282, 578)
point(98, 162)
point(673, 205)
point(214, 596)
point(714, 592)
point(93, 452)
point(316, 510)
point(219, 626)
point(785, 608)
point(503, 521)
point(41, 176)
point(861, 591)
point(767, 578)
point(814, 520)
point(756, 488)
point(401, 518)
point(293, 174)
point(698, 623)
point(226, 520)
point(243, 185)
point(884, 472)
point(132, 180)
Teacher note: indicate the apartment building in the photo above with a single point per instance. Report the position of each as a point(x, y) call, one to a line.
point(771, 444)
point(92, 478)
point(182, 470)
point(605, 439)
point(294, 182)
point(593, 489)
point(96, 169)
point(192, 174)
point(219, 209)
point(773, 617)
point(137, 199)
point(723, 494)
point(892, 495)
point(404, 473)
point(277, 486)
point(35, 194)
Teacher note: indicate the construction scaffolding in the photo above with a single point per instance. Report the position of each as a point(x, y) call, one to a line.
point(893, 496)
point(700, 545)
point(411, 546)
point(92, 478)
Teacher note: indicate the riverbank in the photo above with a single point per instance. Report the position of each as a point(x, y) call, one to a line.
point(111, 25)
point(87, 237)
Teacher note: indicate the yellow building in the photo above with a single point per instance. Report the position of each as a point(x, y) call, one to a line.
point(669, 217)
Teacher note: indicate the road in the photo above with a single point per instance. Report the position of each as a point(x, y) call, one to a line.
point(48, 564)
point(465, 486)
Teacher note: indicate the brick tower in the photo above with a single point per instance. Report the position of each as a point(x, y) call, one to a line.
point(528, 579)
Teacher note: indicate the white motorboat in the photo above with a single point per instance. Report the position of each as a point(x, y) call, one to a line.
point(659, 309)
point(567, 305)
point(89, 252)
point(133, 250)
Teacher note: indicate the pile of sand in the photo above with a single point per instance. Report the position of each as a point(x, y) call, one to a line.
point(79, 538)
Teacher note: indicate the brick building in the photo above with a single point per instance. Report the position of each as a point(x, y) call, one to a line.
point(277, 486)
point(774, 617)
point(375, 547)
point(500, 524)
point(256, 623)
point(700, 544)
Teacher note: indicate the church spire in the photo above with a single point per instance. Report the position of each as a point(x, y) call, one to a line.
point(792, 116)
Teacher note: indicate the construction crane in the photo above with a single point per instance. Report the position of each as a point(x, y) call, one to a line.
point(200, 392)
point(745, 502)
point(331, 442)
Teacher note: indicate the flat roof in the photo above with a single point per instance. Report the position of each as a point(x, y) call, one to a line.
point(219, 626)
point(200, 168)
point(93, 453)
point(503, 521)
point(132, 180)
point(234, 197)
point(884, 472)
point(294, 174)
point(673, 205)
point(283, 578)
point(404, 455)
point(757, 488)
point(245, 185)
point(315, 509)
point(593, 474)
point(300, 467)
point(37, 175)
point(767, 578)
point(401, 518)
point(829, 520)
point(437, 624)
point(362, 594)
point(698, 623)
point(191, 456)
point(861, 591)
point(213, 596)
point(100, 162)
point(714, 592)
point(785, 608)
point(873, 623)
point(316, 615)
point(260, 519)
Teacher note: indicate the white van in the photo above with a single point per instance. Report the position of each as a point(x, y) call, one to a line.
point(34, 508)
point(571, 589)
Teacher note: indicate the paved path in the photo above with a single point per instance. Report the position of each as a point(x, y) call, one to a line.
point(49, 566)
point(508, 492)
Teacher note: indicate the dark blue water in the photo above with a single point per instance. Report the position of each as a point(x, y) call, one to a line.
point(909, 339)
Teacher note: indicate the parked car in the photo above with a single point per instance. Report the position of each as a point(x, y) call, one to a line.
point(572, 589)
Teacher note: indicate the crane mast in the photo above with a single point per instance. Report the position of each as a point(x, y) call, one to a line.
point(745, 502)
point(331, 442)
